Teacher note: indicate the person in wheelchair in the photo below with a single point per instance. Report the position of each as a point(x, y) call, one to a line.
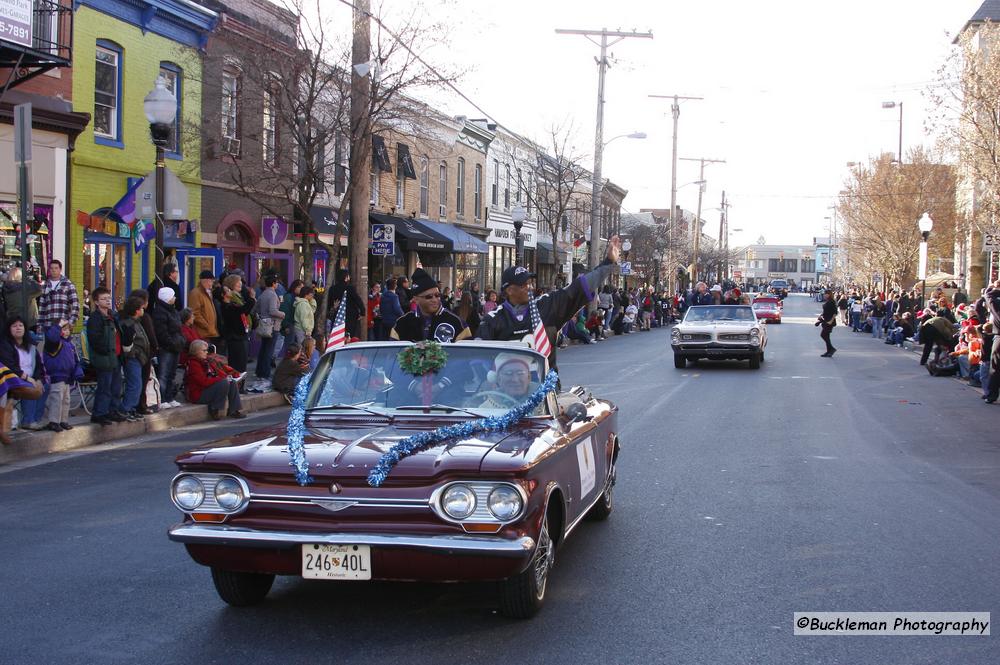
point(513, 376)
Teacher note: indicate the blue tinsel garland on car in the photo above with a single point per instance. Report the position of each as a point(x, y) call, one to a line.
point(411, 444)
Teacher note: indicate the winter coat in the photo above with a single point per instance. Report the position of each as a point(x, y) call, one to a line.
point(58, 303)
point(288, 308)
point(13, 293)
point(104, 339)
point(305, 315)
point(133, 331)
point(203, 373)
point(354, 303)
point(11, 359)
point(167, 328)
point(235, 321)
point(205, 320)
point(60, 358)
point(390, 308)
point(287, 374)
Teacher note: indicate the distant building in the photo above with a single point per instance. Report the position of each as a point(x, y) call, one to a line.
point(759, 264)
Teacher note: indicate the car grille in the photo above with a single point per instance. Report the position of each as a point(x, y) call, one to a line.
point(733, 337)
point(696, 337)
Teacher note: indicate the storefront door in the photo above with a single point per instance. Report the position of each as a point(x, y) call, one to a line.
point(190, 264)
point(260, 262)
point(108, 263)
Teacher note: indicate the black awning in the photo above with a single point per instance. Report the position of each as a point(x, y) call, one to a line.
point(324, 220)
point(546, 256)
point(404, 163)
point(380, 154)
point(413, 234)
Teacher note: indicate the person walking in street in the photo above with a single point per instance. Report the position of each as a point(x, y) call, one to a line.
point(827, 321)
point(170, 341)
point(202, 305)
point(104, 337)
point(59, 300)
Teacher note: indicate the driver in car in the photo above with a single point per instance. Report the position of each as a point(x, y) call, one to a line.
point(512, 378)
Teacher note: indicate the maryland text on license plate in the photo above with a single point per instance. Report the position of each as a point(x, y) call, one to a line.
point(336, 562)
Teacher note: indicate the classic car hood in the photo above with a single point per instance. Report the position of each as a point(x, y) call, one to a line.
point(343, 452)
point(695, 327)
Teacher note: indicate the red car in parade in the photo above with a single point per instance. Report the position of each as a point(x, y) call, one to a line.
point(494, 505)
point(767, 309)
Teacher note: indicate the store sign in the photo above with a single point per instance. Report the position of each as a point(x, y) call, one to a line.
point(502, 232)
point(274, 230)
point(15, 21)
point(383, 239)
point(991, 242)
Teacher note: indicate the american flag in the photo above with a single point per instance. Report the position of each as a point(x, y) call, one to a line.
point(542, 344)
point(338, 336)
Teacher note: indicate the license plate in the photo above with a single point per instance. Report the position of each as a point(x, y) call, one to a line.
point(336, 562)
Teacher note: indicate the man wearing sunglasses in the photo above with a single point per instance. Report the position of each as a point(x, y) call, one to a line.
point(431, 321)
point(511, 321)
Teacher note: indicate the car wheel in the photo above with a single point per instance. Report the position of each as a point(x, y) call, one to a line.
point(241, 589)
point(522, 596)
point(680, 362)
point(755, 361)
point(602, 509)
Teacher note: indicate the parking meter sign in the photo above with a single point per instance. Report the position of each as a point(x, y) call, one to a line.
point(383, 239)
point(626, 267)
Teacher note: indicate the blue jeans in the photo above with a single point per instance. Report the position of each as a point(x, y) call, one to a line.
point(608, 316)
point(166, 374)
point(133, 384)
point(33, 410)
point(107, 398)
point(855, 321)
point(877, 326)
point(263, 369)
point(984, 374)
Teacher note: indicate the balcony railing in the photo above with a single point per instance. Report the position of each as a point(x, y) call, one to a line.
point(49, 45)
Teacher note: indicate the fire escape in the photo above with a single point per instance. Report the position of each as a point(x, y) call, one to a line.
point(32, 44)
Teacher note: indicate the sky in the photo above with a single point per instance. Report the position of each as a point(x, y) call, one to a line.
point(792, 92)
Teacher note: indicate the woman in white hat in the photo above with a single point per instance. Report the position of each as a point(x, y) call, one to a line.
point(170, 340)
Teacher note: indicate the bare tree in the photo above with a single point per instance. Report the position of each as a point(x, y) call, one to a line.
point(309, 89)
point(881, 205)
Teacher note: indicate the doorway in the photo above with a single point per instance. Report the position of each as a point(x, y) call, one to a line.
point(190, 264)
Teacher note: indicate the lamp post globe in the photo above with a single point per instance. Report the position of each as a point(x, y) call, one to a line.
point(925, 224)
point(517, 216)
point(160, 107)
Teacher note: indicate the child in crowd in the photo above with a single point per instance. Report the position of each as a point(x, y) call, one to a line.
point(189, 332)
point(629, 319)
point(290, 370)
point(64, 369)
point(310, 354)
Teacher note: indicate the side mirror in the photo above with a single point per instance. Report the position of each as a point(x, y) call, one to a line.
point(575, 412)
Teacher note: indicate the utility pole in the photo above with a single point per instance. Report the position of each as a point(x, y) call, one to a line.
point(696, 233)
point(602, 67)
point(361, 147)
point(723, 238)
point(675, 110)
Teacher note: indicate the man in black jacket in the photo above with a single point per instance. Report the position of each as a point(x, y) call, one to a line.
point(511, 321)
point(826, 322)
point(431, 320)
point(991, 390)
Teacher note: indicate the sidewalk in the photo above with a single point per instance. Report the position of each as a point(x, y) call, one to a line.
point(27, 444)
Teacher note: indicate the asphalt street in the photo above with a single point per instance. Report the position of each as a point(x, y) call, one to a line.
point(857, 483)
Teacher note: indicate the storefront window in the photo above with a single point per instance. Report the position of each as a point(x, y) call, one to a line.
point(468, 270)
point(107, 264)
point(39, 238)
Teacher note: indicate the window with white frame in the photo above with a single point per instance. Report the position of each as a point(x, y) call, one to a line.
point(425, 188)
point(460, 187)
point(269, 118)
point(374, 188)
point(495, 198)
point(400, 194)
point(230, 109)
point(478, 191)
point(107, 93)
point(443, 189)
point(171, 74)
point(506, 189)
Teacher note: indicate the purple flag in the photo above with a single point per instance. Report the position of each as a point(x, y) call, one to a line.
point(126, 205)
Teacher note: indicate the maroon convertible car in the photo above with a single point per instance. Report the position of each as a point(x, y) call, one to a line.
point(493, 502)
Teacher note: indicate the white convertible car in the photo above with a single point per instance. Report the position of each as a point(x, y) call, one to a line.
point(719, 332)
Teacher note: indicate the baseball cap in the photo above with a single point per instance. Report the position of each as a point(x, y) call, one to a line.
point(515, 275)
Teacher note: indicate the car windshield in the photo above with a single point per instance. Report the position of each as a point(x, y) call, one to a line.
point(763, 305)
point(475, 380)
point(719, 313)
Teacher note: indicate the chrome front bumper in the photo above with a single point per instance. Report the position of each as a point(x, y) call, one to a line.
point(221, 534)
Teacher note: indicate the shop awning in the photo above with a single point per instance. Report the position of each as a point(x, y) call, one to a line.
point(462, 242)
point(545, 254)
point(414, 235)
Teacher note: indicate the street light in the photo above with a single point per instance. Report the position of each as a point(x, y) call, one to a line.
point(626, 246)
point(598, 181)
point(160, 107)
point(517, 215)
point(892, 105)
point(925, 224)
point(633, 135)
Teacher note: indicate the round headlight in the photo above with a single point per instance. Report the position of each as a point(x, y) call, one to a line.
point(458, 502)
point(505, 503)
point(229, 494)
point(189, 492)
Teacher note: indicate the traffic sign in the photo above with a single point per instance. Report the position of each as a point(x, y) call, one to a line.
point(626, 267)
point(383, 239)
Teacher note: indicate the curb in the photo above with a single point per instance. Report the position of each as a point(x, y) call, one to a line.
point(27, 445)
